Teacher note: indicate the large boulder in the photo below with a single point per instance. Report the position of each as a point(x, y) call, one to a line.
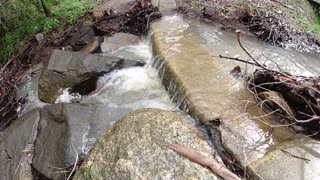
point(16, 147)
point(69, 130)
point(118, 40)
point(66, 69)
point(136, 147)
point(296, 159)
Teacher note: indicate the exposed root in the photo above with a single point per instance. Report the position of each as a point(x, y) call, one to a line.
point(294, 99)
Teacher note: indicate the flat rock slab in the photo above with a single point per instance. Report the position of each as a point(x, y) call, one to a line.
point(202, 86)
point(69, 130)
point(66, 69)
point(16, 147)
point(118, 40)
point(136, 147)
point(296, 159)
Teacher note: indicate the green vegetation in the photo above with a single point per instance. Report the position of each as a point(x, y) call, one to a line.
point(316, 26)
point(22, 19)
point(87, 172)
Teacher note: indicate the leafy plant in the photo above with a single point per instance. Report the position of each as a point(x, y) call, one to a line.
point(49, 24)
point(25, 18)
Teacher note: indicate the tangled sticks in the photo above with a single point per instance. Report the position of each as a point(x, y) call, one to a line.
point(9, 103)
point(278, 30)
point(134, 21)
point(294, 99)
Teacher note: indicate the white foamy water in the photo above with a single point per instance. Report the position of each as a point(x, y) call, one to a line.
point(133, 88)
point(138, 52)
point(67, 97)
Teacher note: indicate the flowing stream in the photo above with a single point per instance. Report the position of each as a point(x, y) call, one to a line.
point(141, 87)
point(134, 87)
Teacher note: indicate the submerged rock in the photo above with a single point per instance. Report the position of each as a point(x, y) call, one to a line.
point(296, 159)
point(200, 85)
point(69, 130)
point(66, 69)
point(136, 147)
point(16, 147)
point(118, 40)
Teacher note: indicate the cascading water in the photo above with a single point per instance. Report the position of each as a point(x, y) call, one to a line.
point(134, 88)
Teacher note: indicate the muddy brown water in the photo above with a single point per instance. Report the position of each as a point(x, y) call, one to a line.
point(190, 50)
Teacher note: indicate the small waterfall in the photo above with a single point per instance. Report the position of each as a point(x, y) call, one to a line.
point(133, 88)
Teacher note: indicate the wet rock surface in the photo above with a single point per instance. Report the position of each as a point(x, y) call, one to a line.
point(118, 40)
point(67, 131)
point(66, 69)
point(136, 147)
point(28, 88)
point(207, 92)
point(295, 159)
point(93, 45)
point(16, 147)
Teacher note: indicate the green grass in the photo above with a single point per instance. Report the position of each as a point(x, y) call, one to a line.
point(63, 13)
point(87, 172)
point(315, 28)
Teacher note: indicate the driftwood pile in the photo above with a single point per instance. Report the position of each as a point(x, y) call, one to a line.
point(134, 21)
point(294, 100)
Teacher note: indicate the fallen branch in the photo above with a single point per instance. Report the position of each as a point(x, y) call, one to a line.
point(289, 154)
point(236, 59)
point(74, 166)
point(295, 99)
point(203, 160)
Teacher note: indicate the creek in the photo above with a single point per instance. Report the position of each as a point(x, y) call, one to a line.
point(142, 87)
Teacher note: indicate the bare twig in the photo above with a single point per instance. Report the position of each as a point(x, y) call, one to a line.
point(74, 166)
point(290, 154)
point(236, 59)
point(203, 160)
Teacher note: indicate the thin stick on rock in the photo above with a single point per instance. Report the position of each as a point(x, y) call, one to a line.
point(203, 160)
